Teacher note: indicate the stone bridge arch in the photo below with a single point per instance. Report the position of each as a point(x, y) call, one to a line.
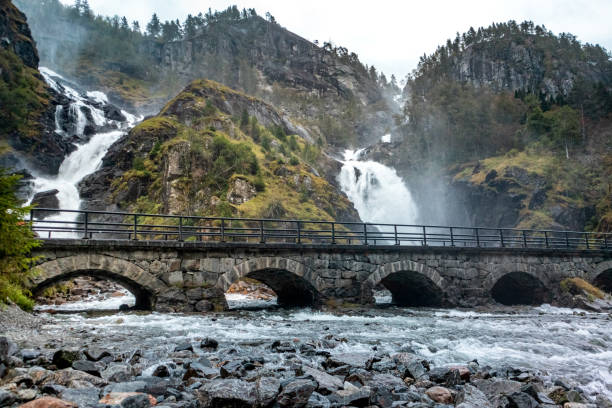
point(518, 283)
point(144, 286)
point(293, 282)
point(601, 276)
point(410, 283)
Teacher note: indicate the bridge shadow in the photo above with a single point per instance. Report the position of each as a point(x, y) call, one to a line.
point(520, 288)
point(143, 298)
point(410, 289)
point(604, 281)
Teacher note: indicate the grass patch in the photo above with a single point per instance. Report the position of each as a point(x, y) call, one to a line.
point(577, 286)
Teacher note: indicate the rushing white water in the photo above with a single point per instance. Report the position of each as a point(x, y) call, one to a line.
point(94, 302)
point(378, 193)
point(574, 347)
point(88, 156)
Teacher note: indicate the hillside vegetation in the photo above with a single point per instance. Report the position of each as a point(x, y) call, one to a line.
point(516, 114)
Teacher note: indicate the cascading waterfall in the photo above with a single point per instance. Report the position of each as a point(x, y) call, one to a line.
point(378, 193)
point(88, 156)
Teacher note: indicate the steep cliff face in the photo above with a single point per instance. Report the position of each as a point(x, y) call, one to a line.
point(325, 88)
point(215, 151)
point(27, 104)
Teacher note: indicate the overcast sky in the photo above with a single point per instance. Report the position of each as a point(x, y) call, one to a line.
point(390, 34)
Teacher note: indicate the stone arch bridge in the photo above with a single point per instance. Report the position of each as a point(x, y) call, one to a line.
point(193, 276)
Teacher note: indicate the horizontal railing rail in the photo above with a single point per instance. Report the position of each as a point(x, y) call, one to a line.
point(84, 224)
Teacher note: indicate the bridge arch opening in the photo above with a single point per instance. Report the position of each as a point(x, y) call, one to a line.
point(604, 281)
point(143, 299)
point(413, 289)
point(519, 288)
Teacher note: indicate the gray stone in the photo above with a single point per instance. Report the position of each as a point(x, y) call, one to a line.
point(129, 386)
point(353, 396)
point(65, 358)
point(136, 401)
point(327, 383)
point(350, 359)
point(83, 397)
point(228, 392)
point(522, 400)
point(6, 398)
point(410, 365)
point(267, 390)
point(296, 392)
point(117, 372)
point(317, 400)
point(88, 366)
point(472, 397)
point(30, 354)
point(96, 354)
point(7, 349)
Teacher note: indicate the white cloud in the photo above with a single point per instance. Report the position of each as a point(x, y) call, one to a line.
point(390, 34)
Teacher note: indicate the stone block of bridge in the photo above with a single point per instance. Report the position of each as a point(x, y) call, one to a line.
point(193, 276)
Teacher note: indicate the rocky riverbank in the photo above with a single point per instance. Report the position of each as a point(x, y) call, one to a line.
point(92, 366)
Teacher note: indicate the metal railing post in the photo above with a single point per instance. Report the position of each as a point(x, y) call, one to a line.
point(524, 239)
point(586, 239)
point(222, 229)
point(566, 239)
point(365, 233)
point(180, 236)
point(333, 229)
point(86, 225)
point(262, 238)
point(546, 239)
point(501, 237)
point(299, 232)
point(135, 238)
point(605, 241)
point(452, 237)
point(477, 237)
point(395, 234)
point(424, 236)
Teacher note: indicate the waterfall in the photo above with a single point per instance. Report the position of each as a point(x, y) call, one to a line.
point(377, 192)
point(88, 156)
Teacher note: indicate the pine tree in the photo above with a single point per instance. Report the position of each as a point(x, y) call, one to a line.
point(154, 27)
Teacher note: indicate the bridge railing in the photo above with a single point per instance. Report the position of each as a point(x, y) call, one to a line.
point(83, 224)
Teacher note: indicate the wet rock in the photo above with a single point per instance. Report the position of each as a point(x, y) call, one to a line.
point(7, 349)
point(29, 354)
point(3, 370)
point(45, 199)
point(348, 359)
point(233, 369)
point(123, 387)
point(267, 390)
point(48, 402)
point(228, 392)
point(384, 365)
point(472, 397)
point(410, 365)
point(497, 386)
point(296, 392)
point(117, 372)
point(204, 306)
point(26, 395)
point(522, 400)
point(128, 399)
point(6, 398)
point(52, 389)
point(75, 379)
point(64, 358)
point(183, 347)
point(317, 400)
point(96, 354)
point(209, 344)
point(161, 371)
point(88, 366)
point(283, 347)
point(573, 396)
point(351, 396)
point(558, 395)
point(440, 394)
point(327, 383)
point(83, 397)
point(113, 113)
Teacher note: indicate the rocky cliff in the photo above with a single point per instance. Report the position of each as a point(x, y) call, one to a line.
point(326, 88)
point(27, 104)
point(215, 151)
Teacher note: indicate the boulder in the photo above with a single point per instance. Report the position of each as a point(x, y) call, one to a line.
point(6, 398)
point(234, 369)
point(228, 392)
point(117, 372)
point(48, 402)
point(317, 400)
point(75, 379)
point(440, 395)
point(209, 344)
point(161, 371)
point(240, 191)
point(96, 354)
point(83, 397)
point(267, 390)
point(7, 349)
point(522, 400)
point(64, 358)
point(410, 365)
point(351, 359)
point(472, 397)
point(327, 383)
point(497, 386)
point(351, 396)
point(129, 399)
point(88, 366)
point(183, 347)
point(30, 354)
point(45, 199)
point(296, 392)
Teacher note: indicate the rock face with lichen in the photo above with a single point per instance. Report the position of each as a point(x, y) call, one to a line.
point(213, 151)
